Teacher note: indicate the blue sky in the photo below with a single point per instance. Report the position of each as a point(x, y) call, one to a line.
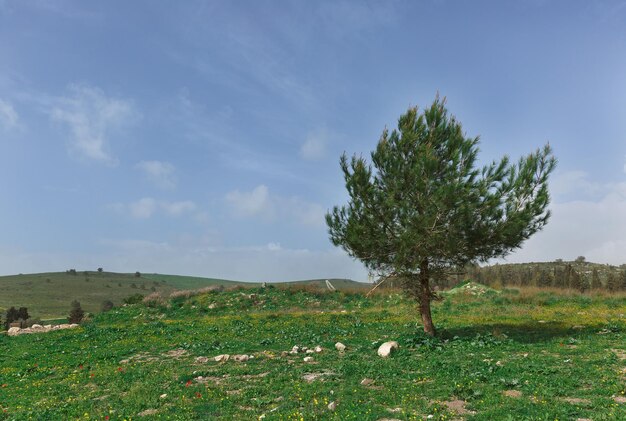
point(203, 138)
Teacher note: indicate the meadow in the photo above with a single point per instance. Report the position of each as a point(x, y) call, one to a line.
point(525, 354)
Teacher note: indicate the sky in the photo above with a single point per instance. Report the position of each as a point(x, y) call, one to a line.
point(203, 137)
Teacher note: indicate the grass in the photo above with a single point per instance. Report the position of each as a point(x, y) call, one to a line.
point(538, 356)
point(48, 295)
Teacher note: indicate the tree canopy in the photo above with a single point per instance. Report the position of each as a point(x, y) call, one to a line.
point(423, 206)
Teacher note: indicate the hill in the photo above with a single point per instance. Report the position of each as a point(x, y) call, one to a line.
point(48, 295)
point(521, 354)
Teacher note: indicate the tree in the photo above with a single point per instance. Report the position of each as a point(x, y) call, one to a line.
point(76, 313)
point(426, 208)
point(580, 259)
point(612, 283)
point(595, 279)
point(100, 270)
point(10, 317)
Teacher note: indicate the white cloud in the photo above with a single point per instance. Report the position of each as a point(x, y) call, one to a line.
point(178, 208)
point(145, 207)
point(256, 202)
point(90, 116)
point(314, 147)
point(595, 229)
point(260, 202)
point(8, 115)
point(159, 173)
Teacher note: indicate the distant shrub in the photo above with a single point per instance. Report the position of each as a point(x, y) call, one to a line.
point(133, 285)
point(71, 272)
point(137, 274)
point(32, 321)
point(100, 270)
point(106, 305)
point(48, 280)
point(76, 313)
point(133, 299)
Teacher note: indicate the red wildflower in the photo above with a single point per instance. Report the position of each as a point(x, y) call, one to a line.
point(189, 382)
point(198, 395)
point(92, 375)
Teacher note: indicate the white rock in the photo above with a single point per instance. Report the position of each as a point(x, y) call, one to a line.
point(202, 359)
point(36, 326)
point(163, 396)
point(13, 331)
point(74, 325)
point(48, 326)
point(310, 351)
point(222, 358)
point(318, 349)
point(241, 358)
point(308, 359)
point(387, 348)
point(212, 306)
point(295, 349)
point(340, 347)
point(332, 406)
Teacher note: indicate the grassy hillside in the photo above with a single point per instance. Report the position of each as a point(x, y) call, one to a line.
point(48, 295)
point(515, 356)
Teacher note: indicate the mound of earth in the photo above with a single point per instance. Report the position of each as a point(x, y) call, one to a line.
point(472, 288)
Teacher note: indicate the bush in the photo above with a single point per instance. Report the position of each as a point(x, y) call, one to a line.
point(106, 306)
point(133, 299)
point(76, 313)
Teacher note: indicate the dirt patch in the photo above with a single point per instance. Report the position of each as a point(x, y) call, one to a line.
point(310, 377)
point(212, 379)
point(147, 412)
point(176, 353)
point(512, 393)
point(255, 376)
point(620, 399)
point(458, 406)
point(576, 401)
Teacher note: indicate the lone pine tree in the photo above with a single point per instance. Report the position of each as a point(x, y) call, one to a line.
point(422, 207)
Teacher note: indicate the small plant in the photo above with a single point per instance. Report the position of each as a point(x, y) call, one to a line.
point(137, 274)
point(100, 270)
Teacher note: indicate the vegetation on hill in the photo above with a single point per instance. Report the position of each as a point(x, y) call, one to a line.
point(540, 354)
point(48, 295)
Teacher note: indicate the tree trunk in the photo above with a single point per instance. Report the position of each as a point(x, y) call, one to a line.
point(425, 296)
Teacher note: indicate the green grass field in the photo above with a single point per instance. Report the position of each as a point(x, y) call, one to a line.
point(529, 355)
point(48, 295)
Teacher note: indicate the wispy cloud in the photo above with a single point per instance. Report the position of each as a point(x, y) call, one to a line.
point(314, 146)
point(90, 116)
point(252, 203)
point(146, 207)
point(8, 115)
point(161, 174)
point(259, 202)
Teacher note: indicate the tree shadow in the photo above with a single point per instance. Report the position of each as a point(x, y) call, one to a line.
point(527, 333)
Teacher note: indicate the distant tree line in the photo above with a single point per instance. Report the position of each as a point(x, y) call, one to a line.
point(578, 275)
